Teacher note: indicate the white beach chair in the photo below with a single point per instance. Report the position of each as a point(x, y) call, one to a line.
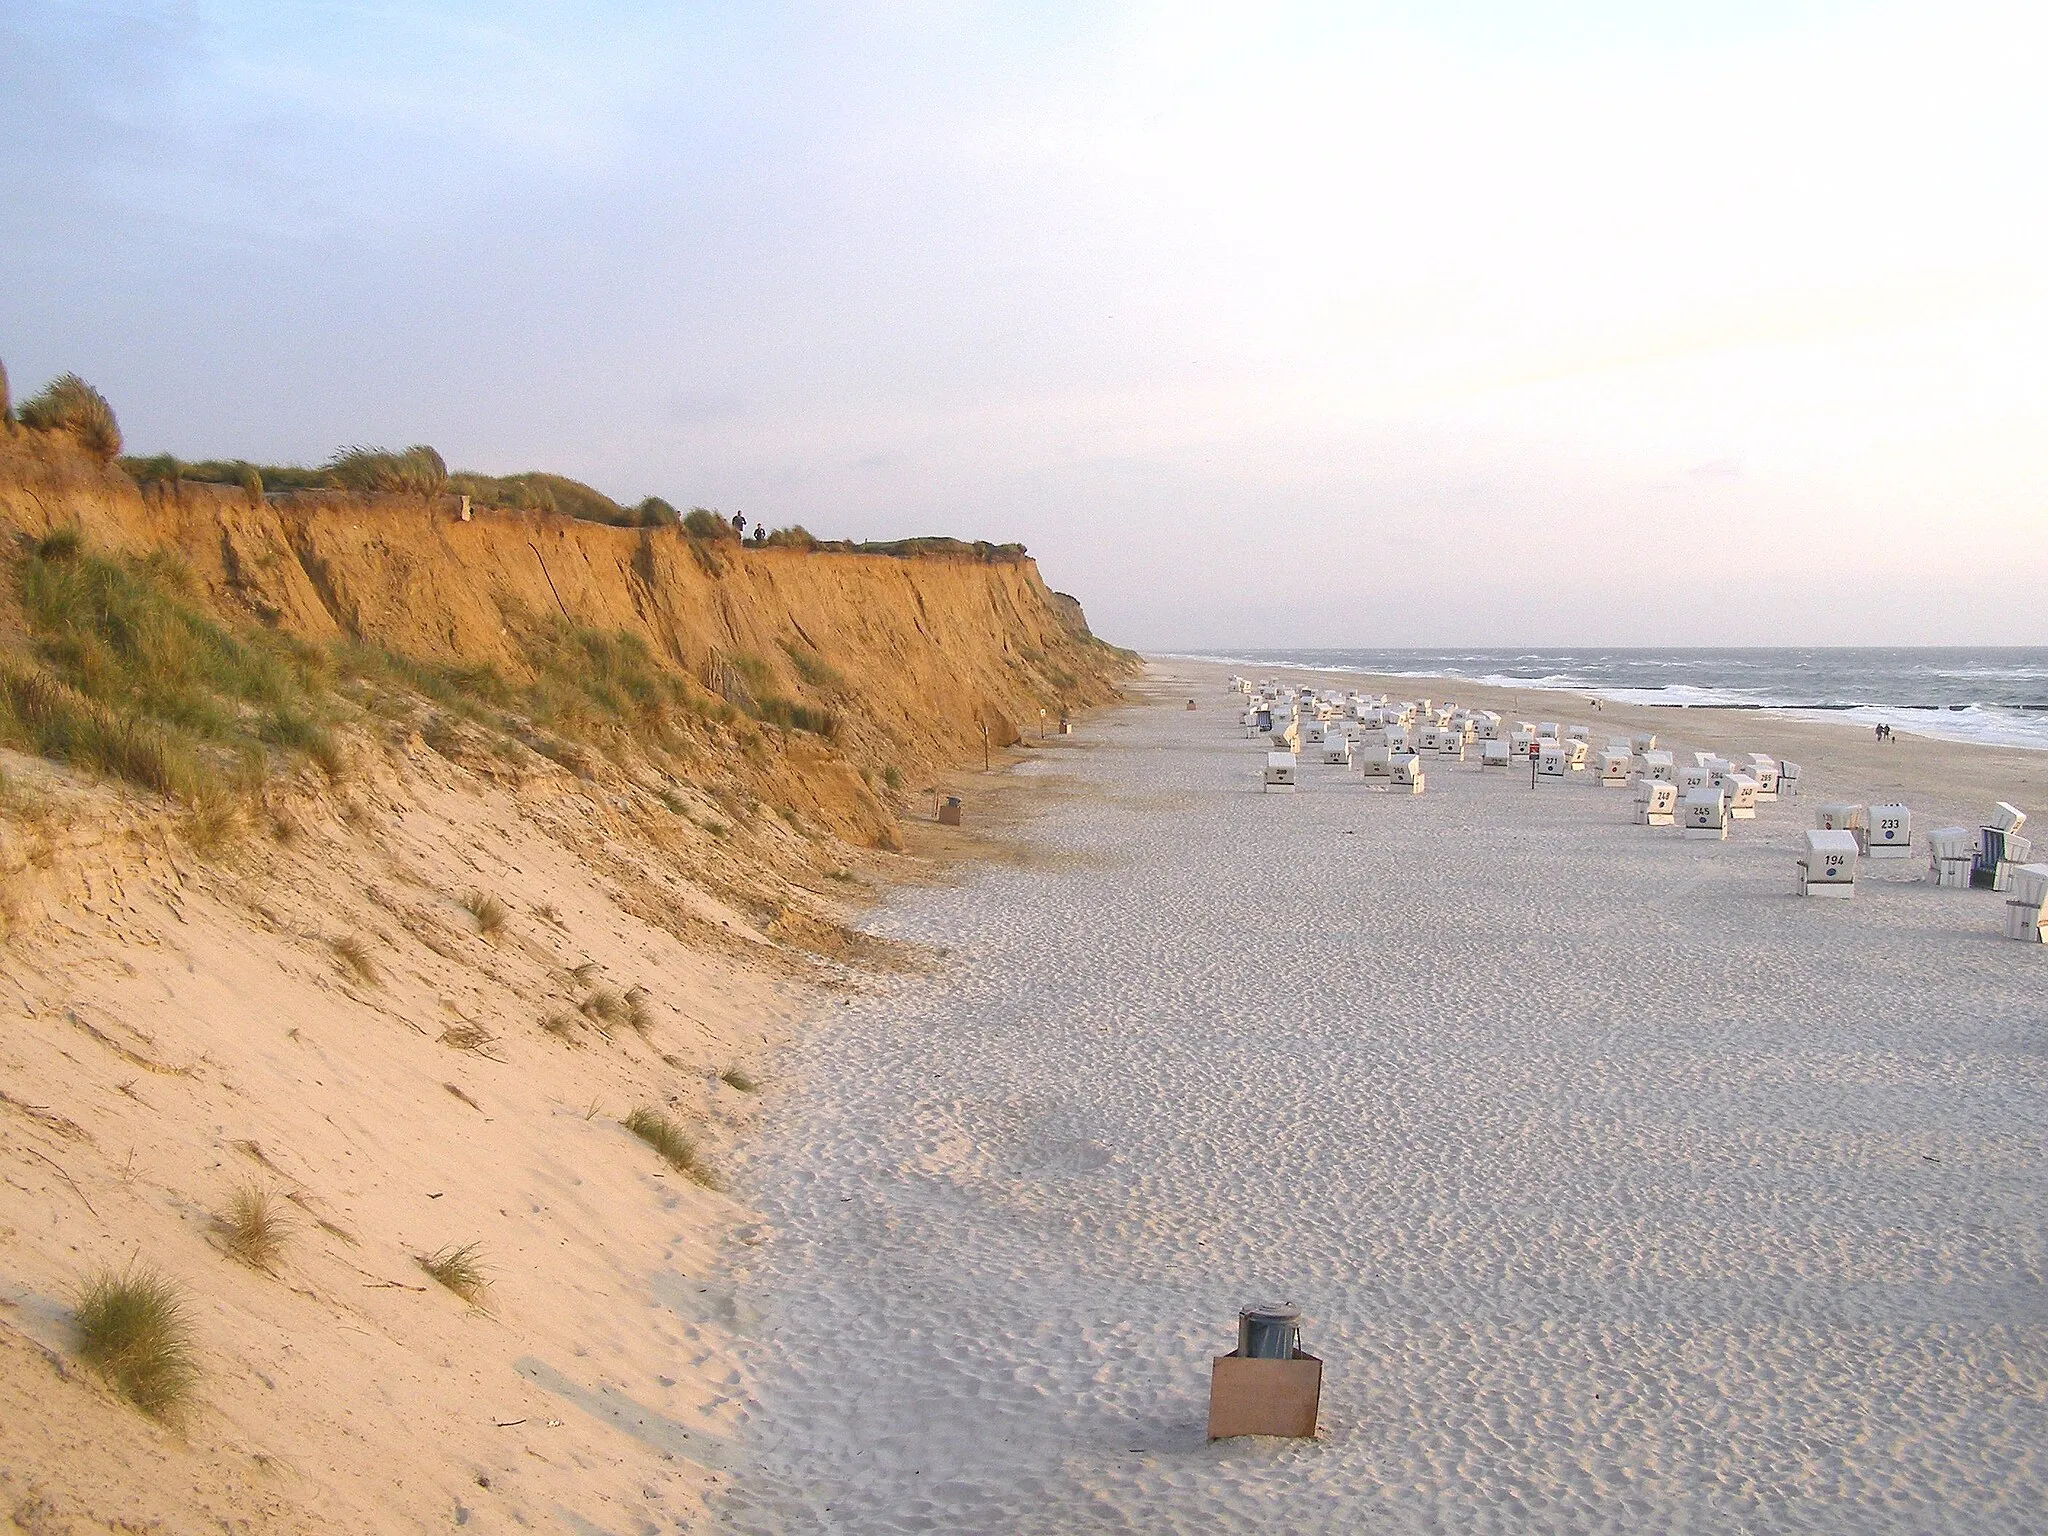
point(1741, 792)
point(1493, 753)
point(1788, 780)
point(1828, 866)
point(1888, 832)
point(2023, 911)
point(1614, 769)
point(1842, 816)
point(1692, 780)
point(1336, 752)
point(1702, 759)
point(1546, 730)
point(1450, 746)
point(1407, 778)
point(1550, 758)
point(1644, 742)
point(1703, 814)
point(1951, 851)
point(1765, 771)
point(1375, 761)
point(1575, 754)
point(1522, 743)
point(1656, 802)
point(1280, 773)
point(1579, 733)
point(1428, 737)
point(1658, 765)
point(1999, 853)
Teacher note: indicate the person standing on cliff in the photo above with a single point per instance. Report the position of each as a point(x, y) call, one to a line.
point(739, 524)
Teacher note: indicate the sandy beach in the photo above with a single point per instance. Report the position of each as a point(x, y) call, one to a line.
point(1621, 1190)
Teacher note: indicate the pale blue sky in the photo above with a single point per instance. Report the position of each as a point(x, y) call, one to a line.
point(1378, 324)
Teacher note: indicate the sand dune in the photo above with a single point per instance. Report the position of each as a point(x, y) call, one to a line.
point(1621, 1189)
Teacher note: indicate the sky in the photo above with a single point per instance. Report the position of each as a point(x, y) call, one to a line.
point(1453, 322)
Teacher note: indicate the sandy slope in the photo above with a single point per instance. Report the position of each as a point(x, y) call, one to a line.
point(1622, 1189)
point(180, 1027)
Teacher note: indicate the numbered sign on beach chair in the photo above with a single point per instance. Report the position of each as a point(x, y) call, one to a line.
point(1656, 802)
point(1888, 832)
point(1280, 773)
point(1703, 814)
point(1828, 866)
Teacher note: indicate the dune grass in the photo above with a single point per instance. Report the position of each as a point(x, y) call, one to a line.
point(561, 1024)
point(459, 1270)
point(354, 953)
point(133, 1328)
point(638, 1014)
point(68, 404)
point(489, 912)
point(128, 676)
point(468, 1037)
point(667, 1139)
point(252, 1229)
point(739, 1078)
point(606, 1006)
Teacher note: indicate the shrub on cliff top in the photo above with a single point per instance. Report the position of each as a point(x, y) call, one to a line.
point(6, 400)
point(419, 471)
point(703, 523)
point(70, 405)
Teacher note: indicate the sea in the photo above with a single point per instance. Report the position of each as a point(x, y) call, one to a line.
point(1996, 695)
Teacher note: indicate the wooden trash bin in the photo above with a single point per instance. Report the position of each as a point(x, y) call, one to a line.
point(949, 813)
point(1264, 1397)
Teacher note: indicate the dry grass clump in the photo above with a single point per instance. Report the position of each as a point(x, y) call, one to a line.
point(739, 1078)
point(459, 1270)
point(354, 953)
point(562, 1025)
point(468, 1037)
point(418, 471)
point(252, 1229)
point(213, 825)
point(606, 1006)
point(667, 1138)
point(133, 1329)
point(584, 974)
point(638, 1014)
point(489, 912)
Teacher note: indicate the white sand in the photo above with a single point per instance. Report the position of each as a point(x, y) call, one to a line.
point(1621, 1189)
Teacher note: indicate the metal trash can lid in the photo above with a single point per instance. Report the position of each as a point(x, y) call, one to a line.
point(1277, 1312)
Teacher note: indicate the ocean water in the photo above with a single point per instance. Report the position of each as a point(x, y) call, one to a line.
point(1996, 695)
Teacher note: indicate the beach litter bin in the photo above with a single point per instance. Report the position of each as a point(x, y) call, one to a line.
point(949, 813)
point(1828, 867)
point(1266, 1386)
point(1888, 832)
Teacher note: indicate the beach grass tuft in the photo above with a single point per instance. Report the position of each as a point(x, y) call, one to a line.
point(252, 1229)
point(561, 1024)
point(667, 1138)
point(468, 1037)
point(132, 1327)
point(739, 1078)
point(354, 954)
point(606, 1006)
point(489, 912)
point(459, 1270)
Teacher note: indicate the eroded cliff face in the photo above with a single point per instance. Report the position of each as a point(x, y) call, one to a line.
point(914, 657)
